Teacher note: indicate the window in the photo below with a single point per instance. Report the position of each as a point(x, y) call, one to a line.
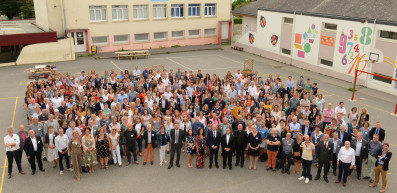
point(119, 12)
point(388, 35)
point(118, 39)
point(178, 35)
point(140, 11)
point(97, 13)
point(100, 40)
point(210, 32)
point(285, 51)
point(382, 79)
point(159, 11)
point(177, 10)
point(194, 10)
point(160, 36)
point(141, 37)
point(210, 10)
point(288, 20)
point(194, 33)
point(330, 26)
point(326, 62)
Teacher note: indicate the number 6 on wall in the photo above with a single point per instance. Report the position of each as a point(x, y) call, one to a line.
point(344, 60)
point(342, 42)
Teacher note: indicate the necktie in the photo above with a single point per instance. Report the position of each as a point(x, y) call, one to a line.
point(176, 136)
point(185, 126)
point(377, 131)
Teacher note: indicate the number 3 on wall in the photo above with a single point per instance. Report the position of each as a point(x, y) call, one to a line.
point(365, 37)
point(342, 42)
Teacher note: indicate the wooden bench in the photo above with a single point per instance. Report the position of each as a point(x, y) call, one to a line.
point(144, 53)
point(127, 54)
point(238, 48)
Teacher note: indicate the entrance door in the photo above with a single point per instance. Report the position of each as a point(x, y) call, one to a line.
point(79, 41)
point(225, 31)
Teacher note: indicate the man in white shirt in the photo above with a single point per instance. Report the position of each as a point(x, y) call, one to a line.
point(294, 127)
point(346, 160)
point(232, 93)
point(252, 89)
point(168, 94)
point(340, 110)
point(238, 75)
point(136, 72)
point(11, 142)
point(56, 101)
point(61, 143)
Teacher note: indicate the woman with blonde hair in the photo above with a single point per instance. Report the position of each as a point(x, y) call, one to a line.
point(74, 148)
point(89, 154)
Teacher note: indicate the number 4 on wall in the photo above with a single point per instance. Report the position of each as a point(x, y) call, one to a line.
point(356, 49)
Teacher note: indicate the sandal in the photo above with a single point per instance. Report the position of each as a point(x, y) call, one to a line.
point(102, 166)
point(107, 166)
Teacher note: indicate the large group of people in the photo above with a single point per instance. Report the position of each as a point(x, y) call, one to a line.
point(100, 118)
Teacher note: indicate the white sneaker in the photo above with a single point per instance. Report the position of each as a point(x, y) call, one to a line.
point(61, 172)
point(307, 180)
point(165, 161)
point(70, 169)
point(301, 178)
point(161, 163)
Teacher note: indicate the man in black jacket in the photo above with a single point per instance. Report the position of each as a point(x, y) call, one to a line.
point(177, 137)
point(377, 130)
point(361, 149)
point(237, 122)
point(163, 103)
point(150, 138)
point(33, 149)
point(130, 143)
point(241, 144)
point(228, 142)
point(324, 156)
point(214, 140)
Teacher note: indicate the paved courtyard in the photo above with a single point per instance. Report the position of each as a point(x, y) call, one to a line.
point(139, 178)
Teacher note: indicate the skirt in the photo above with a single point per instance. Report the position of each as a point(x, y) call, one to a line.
point(52, 154)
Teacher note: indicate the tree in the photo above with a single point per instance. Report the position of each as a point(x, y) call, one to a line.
point(10, 8)
point(240, 3)
point(27, 8)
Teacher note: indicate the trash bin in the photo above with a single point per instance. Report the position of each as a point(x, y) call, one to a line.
point(93, 49)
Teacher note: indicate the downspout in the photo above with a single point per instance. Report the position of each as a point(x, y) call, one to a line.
point(293, 37)
point(372, 46)
point(64, 19)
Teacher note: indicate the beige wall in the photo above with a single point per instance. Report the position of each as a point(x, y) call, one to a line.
point(54, 8)
point(249, 24)
point(40, 8)
point(47, 52)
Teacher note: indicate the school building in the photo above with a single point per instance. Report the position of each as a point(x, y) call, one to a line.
point(330, 37)
point(140, 24)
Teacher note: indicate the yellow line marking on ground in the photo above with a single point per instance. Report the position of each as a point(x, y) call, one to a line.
point(24, 83)
point(393, 144)
point(5, 161)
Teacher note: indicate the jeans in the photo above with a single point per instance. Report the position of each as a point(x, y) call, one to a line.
point(287, 156)
point(11, 155)
point(371, 167)
point(121, 148)
point(343, 169)
point(116, 155)
point(306, 164)
point(61, 156)
point(131, 148)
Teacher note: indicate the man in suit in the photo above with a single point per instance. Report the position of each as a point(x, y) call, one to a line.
point(324, 157)
point(33, 150)
point(100, 105)
point(213, 140)
point(228, 141)
point(337, 145)
point(377, 130)
point(343, 134)
point(241, 144)
point(307, 129)
point(361, 150)
point(163, 103)
point(22, 137)
point(150, 138)
point(177, 137)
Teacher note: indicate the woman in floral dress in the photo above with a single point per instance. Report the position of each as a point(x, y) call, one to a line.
point(200, 146)
point(102, 142)
point(89, 155)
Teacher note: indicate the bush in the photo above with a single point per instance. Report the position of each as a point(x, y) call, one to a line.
point(238, 20)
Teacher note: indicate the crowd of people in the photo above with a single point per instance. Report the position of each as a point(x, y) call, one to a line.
point(102, 118)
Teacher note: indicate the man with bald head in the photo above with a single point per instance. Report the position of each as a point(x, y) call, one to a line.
point(360, 145)
point(22, 138)
point(324, 157)
point(346, 161)
point(214, 139)
point(33, 150)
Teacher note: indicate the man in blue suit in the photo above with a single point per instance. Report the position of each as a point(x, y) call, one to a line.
point(343, 136)
point(214, 139)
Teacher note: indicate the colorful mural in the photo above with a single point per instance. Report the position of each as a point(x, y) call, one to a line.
point(262, 21)
point(274, 39)
point(251, 38)
point(304, 42)
point(328, 41)
point(353, 46)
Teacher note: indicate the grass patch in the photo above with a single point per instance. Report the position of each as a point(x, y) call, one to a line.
point(168, 52)
point(351, 89)
point(175, 46)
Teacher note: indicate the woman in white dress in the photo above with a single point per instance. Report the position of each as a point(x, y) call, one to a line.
point(52, 152)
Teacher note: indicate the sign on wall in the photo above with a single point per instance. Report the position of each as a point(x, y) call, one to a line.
point(328, 41)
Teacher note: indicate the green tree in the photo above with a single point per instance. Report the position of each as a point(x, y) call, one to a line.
point(10, 8)
point(27, 8)
point(240, 3)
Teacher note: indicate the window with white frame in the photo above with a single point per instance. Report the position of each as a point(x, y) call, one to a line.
point(210, 32)
point(177, 10)
point(194, 10)
point(120, 12)
point(141, 37)
point(120, 39)
point(100, 40)
point(178, 35)
point(159, 11)
point(195, 33)
point(97, 13)
point(140, 11)
point(160, 36)
point(210, 10)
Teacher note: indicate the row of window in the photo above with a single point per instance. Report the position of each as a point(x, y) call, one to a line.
point(120, 12)
point(157, 36)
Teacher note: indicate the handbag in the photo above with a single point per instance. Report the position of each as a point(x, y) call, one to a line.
point(85, 169)
point(297, 154)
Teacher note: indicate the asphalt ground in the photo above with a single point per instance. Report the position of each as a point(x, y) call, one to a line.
point(139, 178)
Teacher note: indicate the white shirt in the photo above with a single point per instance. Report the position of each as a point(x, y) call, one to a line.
point(165, 81)
point(34, 142)
point(137, 73)
point(56, 102)
point(10, 140)
point(61, 142)
point(168, 95)
point(252, 90)
point(294, 128)
point(238, 75)
point(227, 139)
point(340, 110)
point(347, 155)
point(358, 147)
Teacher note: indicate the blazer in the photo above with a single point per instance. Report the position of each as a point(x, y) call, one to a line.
point(29, 149)
point(47, 138)
point(303, 129)
point(167, 104)
point(337, 144)
point(98, 106)
point(325, 155)
point(153, 139)
point(381, 134)
point(385, 160)
point(364, 148)
point(180, 139)
point(21, 143)
point(241, 140)
point(232, 143)
point(227, 125)
point(345, 137)
point(213, 141)
point(235, 125)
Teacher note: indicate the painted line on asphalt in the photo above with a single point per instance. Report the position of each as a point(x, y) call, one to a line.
point(179, 64)
point(116, 65)
point(220, 68)
point(229, 59)
point(5, 161)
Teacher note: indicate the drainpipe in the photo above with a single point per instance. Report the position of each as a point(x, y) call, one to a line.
point(293, 37)
point(372, 46)
point(64, 19)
